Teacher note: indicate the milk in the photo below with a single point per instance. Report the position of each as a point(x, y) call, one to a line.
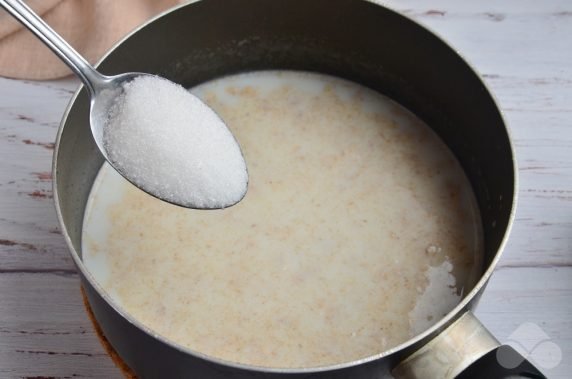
point(359, 230)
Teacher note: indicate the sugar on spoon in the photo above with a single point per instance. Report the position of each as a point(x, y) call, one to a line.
point(152, 131)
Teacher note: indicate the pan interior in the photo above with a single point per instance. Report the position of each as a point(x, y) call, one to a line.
point(359, 231)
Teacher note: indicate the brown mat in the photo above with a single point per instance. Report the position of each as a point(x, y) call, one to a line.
point(127, 372)
point(90, 26)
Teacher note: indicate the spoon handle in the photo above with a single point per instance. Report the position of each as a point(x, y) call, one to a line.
point(88, 75)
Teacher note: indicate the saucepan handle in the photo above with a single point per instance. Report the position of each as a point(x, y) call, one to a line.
point(502, 362)
point(466, 350)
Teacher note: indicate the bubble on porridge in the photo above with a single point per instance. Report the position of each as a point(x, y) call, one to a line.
point(437, 299)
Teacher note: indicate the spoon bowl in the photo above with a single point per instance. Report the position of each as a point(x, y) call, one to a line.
point(104, 93)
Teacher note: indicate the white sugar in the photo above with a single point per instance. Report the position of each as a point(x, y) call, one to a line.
point(170, 144)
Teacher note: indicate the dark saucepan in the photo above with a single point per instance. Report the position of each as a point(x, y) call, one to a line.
point(353, 39)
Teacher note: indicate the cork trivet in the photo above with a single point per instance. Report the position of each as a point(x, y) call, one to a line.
point(126, 370)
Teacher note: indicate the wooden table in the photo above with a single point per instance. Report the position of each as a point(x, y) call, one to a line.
point(522, 48)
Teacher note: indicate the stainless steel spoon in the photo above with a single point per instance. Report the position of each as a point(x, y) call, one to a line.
point(103, 90)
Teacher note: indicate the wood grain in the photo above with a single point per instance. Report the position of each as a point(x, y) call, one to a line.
point(44, 329)
point(523, 50)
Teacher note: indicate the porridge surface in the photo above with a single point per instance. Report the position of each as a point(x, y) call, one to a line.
point(358, 231)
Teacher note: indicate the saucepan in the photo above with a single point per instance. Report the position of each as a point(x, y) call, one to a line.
point(357, 40)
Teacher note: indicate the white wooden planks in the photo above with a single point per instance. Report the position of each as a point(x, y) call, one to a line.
point(523, 49)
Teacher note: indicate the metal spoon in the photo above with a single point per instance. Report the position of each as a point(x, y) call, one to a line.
point(103, 90)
